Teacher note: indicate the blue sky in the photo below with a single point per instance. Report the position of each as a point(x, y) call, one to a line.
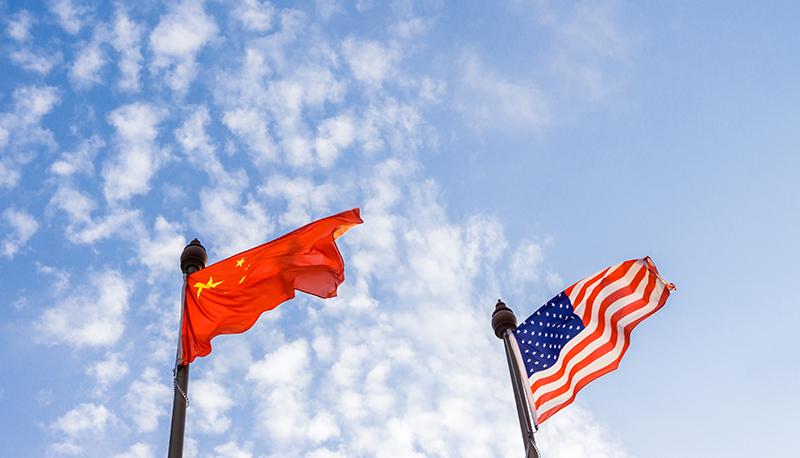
point(496, 150)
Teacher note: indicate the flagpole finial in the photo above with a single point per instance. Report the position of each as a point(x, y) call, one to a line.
point(194, 257)
point(502, 319)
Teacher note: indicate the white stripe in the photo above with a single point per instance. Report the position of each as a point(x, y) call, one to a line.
point(612, 356)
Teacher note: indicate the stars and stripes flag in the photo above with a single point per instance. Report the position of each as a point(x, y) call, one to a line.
point(583, 332)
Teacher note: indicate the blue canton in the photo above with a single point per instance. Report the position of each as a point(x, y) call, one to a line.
point(542, 336)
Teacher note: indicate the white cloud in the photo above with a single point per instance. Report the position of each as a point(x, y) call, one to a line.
point(554, 281)
point(363, 5)
point(70, 17)
point(87, 421)
point(488, 100)
point(126, 38)
point(306, 89)
point(88, 315)
point(327, 8)
point(270, 100)
point(19, 26)
point(77, 205)
point(138, 158)
point(234, 226)
point(146, 401)
point(252, 127)
point(79, 161)
point(232, 450)
point(211, 400)
point(35, 60)
point(87, 418)
point(159, 253)
point(9, 176)
point(282, 378)
point(370, 61)
point(409, 29)
point(323, 427)
point(303, 198)
point(22, 227)
point(335, 134)
point(403, 344)
point(21, 131)
point(324, 453)
point(108, 371)
point(526, 264)
point(574, 433)
point(89, 61)
point(176, 41)
point(593, 48)
point(202, 154)
point(82, 229)
point(61, 277)
point(255, 15)
point(137, 450)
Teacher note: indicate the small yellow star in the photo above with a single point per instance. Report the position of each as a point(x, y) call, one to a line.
point(240, 281)
point(208, 285)
point(240, 262)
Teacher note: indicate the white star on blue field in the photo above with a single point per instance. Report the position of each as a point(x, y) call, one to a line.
point(497, 150)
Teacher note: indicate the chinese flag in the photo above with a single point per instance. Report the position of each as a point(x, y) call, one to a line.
point(228, 297)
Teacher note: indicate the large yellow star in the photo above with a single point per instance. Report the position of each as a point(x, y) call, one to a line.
point(208, 285)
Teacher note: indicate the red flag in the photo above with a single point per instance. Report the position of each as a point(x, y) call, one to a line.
point(228, 297)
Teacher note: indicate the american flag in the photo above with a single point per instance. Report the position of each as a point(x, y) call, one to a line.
point(583, 332)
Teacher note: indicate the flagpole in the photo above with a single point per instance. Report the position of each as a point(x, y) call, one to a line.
point(193, 258)
point(504, 322)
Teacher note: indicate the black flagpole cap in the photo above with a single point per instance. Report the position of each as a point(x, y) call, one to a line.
point(502, 319)
point(194, 257)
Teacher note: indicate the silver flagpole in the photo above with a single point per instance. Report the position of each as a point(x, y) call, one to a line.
point(504, 322)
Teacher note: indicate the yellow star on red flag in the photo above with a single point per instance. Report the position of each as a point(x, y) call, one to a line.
point(209, 285)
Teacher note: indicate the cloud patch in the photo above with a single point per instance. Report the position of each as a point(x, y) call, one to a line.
point(176, 41)
point(90, 315)
point(87, 421)
point(146, 400)
point(21, 227)
point(138, 156)
point(126, 39)
point(371, 62)
point(487, 99)
point(70, 16)
point(89, 61)
point(21, 132)
point(19, 26)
